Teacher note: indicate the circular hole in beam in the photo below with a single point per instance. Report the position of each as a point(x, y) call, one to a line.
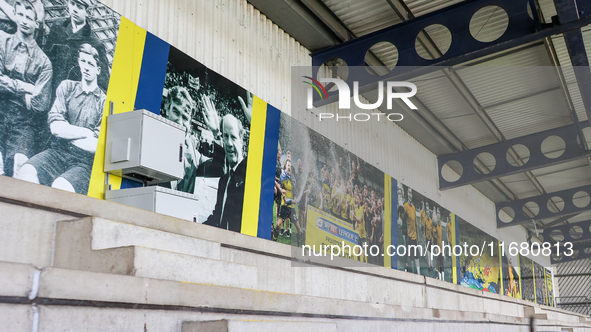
point(520, 156)
point(576, 232)
point(529, 12)
point(484, 163)
point(553, 147)
point(433, 42)
point(381, 58)
point(556, 235)
point(530, 209)
point(557, 258)
point(581, 199)
point(586, 131)
point(333, 68)
point(506, 215)
point(489, 24)
point(555, 203)
point(452, 171)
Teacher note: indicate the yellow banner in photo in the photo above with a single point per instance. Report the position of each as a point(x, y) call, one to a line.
point(324, 230)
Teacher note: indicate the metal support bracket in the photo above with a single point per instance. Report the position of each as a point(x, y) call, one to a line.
point(503, 164)
point(576, 232)
point(512, 213)
point(580, 251)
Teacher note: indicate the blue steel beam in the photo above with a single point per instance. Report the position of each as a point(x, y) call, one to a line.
point(521, 30)
point(517, 207)
point(537, 159)
point(580, 251)
point(568, 233)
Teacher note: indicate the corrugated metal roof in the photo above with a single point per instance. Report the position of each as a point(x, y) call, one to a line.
point(521, 94)
point(422, 7)
point(531, 115)
point(363, 17)
point(443, 99)
point(520, 184)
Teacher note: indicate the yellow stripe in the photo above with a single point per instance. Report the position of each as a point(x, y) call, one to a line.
point(533, 269)
point(123, 83)
point(519, 276)
point(254, 168)
point(501, 280)
point(387, 218)
point(453, 239)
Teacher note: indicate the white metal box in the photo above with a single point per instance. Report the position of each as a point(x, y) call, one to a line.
point(157, 199)
point(144, 146)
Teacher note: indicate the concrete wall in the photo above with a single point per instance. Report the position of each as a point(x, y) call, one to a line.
point(178, 272)
point(234, 39)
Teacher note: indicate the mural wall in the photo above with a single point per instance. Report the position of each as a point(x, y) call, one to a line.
point(325, 195)
point(65, 65)
point(55, 68)
point(423, 222)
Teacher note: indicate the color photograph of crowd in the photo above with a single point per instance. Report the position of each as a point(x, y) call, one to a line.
point(314, 172)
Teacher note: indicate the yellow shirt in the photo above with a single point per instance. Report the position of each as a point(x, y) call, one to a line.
point(360, 214)
point(336, 207)
point(428, 229)
point(288, 186)
point(345, 207)
point(439, 236)
point(326, 192)
point(411, 219)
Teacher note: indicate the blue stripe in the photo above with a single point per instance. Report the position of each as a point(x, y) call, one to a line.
point(126, 183)
point(152, 74)
point(394, 221)
point(268, 172)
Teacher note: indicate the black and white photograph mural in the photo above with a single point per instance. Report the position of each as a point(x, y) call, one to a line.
point(55, 64)
point(216, 115)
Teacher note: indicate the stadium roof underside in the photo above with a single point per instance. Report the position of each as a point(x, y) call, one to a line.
point(513, 78)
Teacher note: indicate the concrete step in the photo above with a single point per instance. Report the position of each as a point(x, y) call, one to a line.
point(119, 252)
point(226, 325)
point(26, 233)
point(135, 250)
point(70, 300)
point(107, 234)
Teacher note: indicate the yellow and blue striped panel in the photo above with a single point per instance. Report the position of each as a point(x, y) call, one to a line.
point(252, 189)
point(151, 82)
point(122, 92)
point(268, 166)
point(137, 80)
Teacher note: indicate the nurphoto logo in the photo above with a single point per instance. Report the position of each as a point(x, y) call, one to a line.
point(345, 99)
